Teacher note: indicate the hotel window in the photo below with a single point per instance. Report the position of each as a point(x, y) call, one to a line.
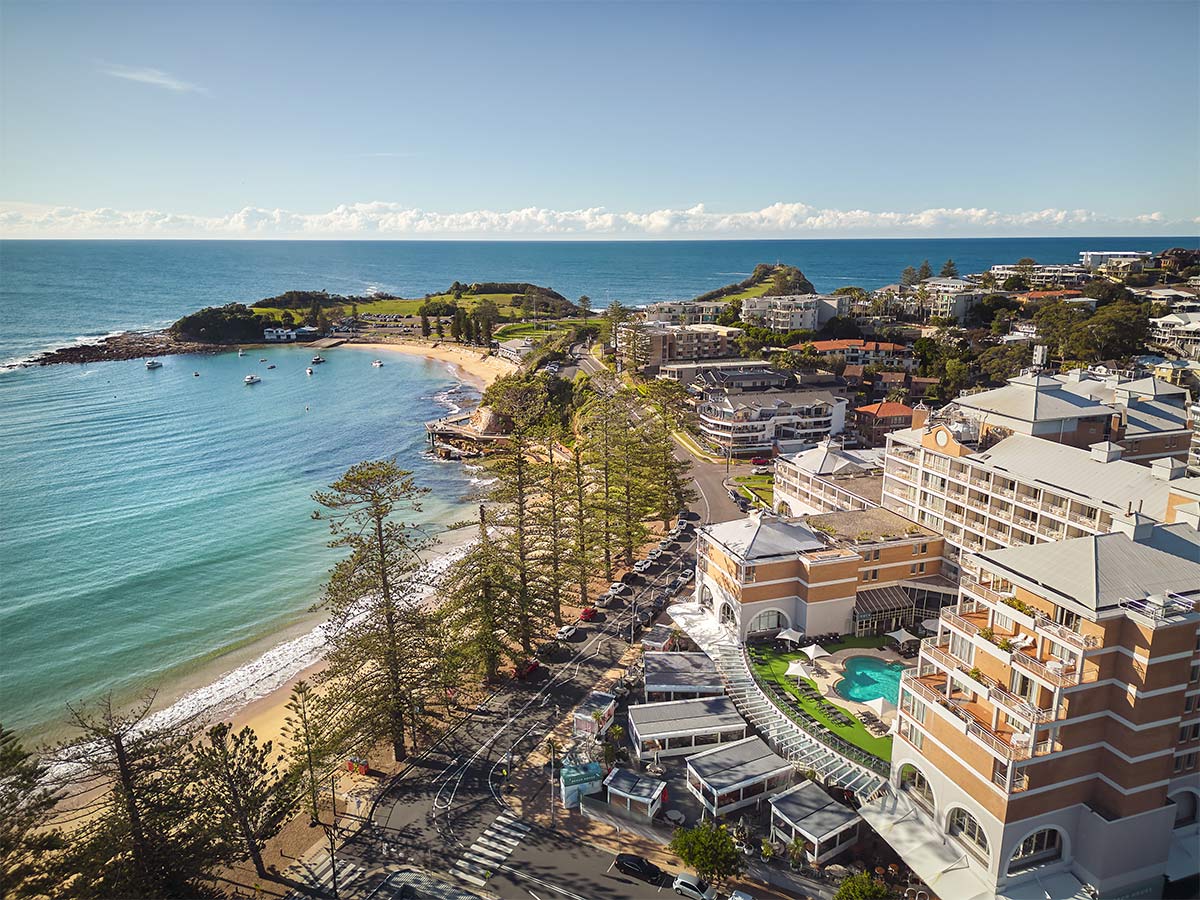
point(1189, 704)
point(1195, 676)
point(1022, 685)
point(962, 648)
point(1178, 765)
point(912, 735)
point(1066, 618)
point(913, 781)
point(1189, 761)
point(1037, 848)
point(1002, 622)
point(962, 824)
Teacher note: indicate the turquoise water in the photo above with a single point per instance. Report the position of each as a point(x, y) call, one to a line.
point(867, 678)
point(154, 519)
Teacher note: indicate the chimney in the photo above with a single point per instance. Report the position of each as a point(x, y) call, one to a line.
point(1106, 451)
point(1136, 526)
point(1167, 469)
point(920, 415)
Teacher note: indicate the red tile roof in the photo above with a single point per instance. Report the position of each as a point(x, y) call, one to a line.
point(885, 410)
point(852, 343)
point(1047, 295)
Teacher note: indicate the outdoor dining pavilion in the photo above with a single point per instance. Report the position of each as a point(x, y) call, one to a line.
point(737, 775)
point(638, 797)
point(680, 676)
point(806, 812)
point(680, 727)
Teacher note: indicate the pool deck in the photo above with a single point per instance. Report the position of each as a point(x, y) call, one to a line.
point(834, 667)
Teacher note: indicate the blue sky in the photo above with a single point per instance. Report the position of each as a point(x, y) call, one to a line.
point(599, 119)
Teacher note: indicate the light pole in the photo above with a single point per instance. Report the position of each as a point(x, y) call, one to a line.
point(331, 834)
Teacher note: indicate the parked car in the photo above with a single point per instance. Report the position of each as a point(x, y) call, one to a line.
point(676, 584)
point(665, 544)
point(740, 895)
point(688, 575)
point(688, 885)
point(645, 617)
point(545, 650)
point(603, 601)
point(639, 867)
point(761, 470)
point(642, 565)
point(565, 633)
point(527, 668)
point(587, 613)
point(759, 461)
point(654, 555)
point(618, 588)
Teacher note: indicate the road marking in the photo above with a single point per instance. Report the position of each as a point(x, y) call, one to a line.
point(532, 894)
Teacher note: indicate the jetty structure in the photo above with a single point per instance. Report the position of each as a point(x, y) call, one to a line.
point(464, 435)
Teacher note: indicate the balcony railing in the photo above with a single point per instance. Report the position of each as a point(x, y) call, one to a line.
point(985, 592)
point(1020, 781)
point(1018, 706)
point(1065, 634)
point(952, 618)
point(1001, 748)
point(1068, 677)
point(998, 746)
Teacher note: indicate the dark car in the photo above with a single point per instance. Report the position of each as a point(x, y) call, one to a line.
point(646, 616)
point(638, 867)
point(527, 668)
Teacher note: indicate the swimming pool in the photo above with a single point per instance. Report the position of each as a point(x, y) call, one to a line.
point(867, 678)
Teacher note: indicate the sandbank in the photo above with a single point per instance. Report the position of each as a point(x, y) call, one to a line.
point(475, 364)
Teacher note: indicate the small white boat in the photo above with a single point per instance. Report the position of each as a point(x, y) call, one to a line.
point(153, 364)
point(308, 371)
point(251, 379)
point(377, 363)
point(318, 359)
point(241, 352)
point(264, 359)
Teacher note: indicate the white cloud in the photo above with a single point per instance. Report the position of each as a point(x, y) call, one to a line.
point(392, 220)
point(156, 77)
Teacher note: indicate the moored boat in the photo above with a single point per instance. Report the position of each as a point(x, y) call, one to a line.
point(318, 359)
point(251, 379)
point(377, 363)
point(308, 371)
point(153, 364)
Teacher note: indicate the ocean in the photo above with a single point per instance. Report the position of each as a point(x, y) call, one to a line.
point(157, 527)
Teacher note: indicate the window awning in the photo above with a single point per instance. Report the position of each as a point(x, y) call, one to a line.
point(1059, 886)
point(946, 868)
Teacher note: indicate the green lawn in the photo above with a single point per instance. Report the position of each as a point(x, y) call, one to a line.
point(761, 487)
point(757, 291)
point(776, 667)
point(538, 329)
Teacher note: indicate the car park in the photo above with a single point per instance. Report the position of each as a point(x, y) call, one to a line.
point(638, 867)
point(565, 633)
point(642, 565)
point(693, 887)
point(527, 668)
point(587, 613)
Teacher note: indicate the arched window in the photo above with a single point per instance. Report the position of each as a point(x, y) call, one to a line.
point(768, 620)
point(727, 616)
point(1041, 846)
point(1185, 808)
point(707, 598)
point(963, 825)
point(913, 781)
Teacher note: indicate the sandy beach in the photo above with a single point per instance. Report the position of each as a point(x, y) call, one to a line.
point(474, 364)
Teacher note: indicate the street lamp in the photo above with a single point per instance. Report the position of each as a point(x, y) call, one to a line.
point(330, 833)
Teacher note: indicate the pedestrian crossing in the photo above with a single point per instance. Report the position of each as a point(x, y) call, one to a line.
point(320, 875)
point(490, 849)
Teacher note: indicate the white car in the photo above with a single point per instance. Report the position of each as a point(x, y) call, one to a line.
point(603, 600)
point(617, 588)
point(642, 565)
point(565, 633)
point(687, 885)
point(654, 555)
point(665, 544)
point(740, 895)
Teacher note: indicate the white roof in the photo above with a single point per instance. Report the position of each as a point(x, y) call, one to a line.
point(828, 459)
point(1034, 398)
point(763, 537)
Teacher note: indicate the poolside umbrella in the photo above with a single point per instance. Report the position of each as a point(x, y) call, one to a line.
point(813, 651)
point(901, 636)
point(798, 668)
point(930, 624)
point(881, 707)
point(789, 634)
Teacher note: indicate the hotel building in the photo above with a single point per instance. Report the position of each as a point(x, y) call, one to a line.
point(1048, 738)
point(761, 422)
point(828, 478)
point(762, 574)
point(1022, 490)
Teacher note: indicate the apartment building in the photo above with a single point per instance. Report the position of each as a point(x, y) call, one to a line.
point(687, 372)
point(1178, 330)
point(649, 347)
point(1094, 259)
point(683, 312)
point(794, 312)
point(1022, 490)
point(763, 574)
point(951, 298)
point(1043, 276)
point(873, 422)
point(1048, 739)
point(1148, 418)
point(767, 421)
point(1193, 463)
point(857, 351)
point(828, 478)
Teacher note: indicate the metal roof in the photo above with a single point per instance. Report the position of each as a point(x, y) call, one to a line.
point(761, 537)
point(808, 808)
point(702, 714)
point(631, 784)
point(1031, 398)
point(1099, 571)
point(697, 669)
point(729, 765)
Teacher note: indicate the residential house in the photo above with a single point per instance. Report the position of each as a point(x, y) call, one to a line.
point(857, 351)
point(873, 422)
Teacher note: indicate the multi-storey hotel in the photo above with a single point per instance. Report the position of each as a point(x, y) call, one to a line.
point(1022, 490)
point(828, 478)
point(1048, 738)
point(763, 421)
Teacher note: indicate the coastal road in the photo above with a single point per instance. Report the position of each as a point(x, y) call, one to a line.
point(449, 814)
